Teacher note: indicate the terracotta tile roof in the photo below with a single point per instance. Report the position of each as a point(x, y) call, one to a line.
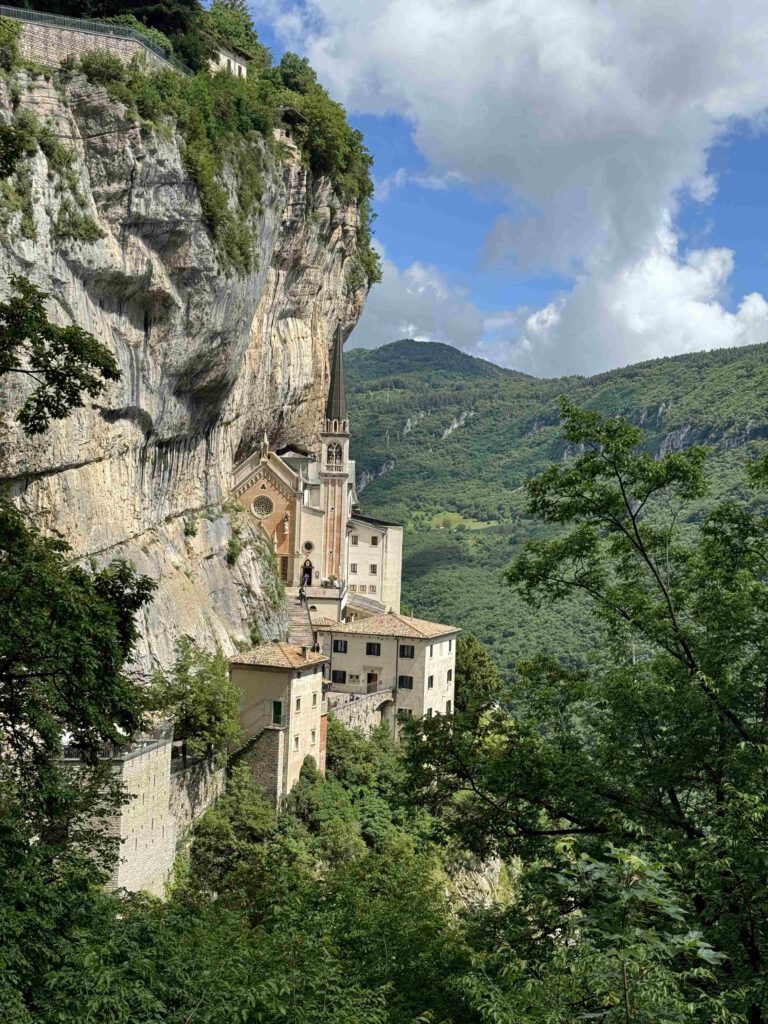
point(391, 624)
point(321, 621)
point(278, 654)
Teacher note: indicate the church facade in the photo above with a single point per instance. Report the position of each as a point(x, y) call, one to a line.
point(305, 502)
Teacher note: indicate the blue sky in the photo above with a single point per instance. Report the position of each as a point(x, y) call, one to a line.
point(563, 188)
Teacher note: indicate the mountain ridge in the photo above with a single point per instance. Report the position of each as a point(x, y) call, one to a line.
point(446, 446)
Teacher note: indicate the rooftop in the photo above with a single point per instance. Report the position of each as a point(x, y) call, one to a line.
point(278, 654)
point(358, 517)
point(391, 624)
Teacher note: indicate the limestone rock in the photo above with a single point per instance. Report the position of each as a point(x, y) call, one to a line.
point(210, 360)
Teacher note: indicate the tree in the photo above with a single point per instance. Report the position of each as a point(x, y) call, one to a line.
point(65, 363)
point(231, 22)
point(478, 681)
point(658, 744)
point(198, 695)
point(65, 634)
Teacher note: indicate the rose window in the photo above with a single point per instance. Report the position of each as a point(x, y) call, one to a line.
point(262, 506)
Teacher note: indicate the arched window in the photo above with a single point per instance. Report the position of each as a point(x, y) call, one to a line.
point(330, 458)
point(338, 455)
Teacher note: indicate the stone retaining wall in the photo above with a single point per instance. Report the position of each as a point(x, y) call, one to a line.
point(50, 44)
point(362, 712)
point(192, 791)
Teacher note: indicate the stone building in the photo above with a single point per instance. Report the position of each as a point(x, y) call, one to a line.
point(410, 660)
point(282, 712)
point(305, 502)
point(231, 59)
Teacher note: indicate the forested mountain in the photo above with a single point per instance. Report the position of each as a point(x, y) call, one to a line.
point(444, 441)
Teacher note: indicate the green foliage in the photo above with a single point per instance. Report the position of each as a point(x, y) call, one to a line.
point(624, 953)
point(405, 397)
point(234, 550)
point(152, 34)
point(658, 742)
point(64, 362)
point(10, 32)
point(226, 123)
point(20, 140)
point(102, 68)
point(477, 679)
point(198, 695)
point(65, 634)
point(230, 20)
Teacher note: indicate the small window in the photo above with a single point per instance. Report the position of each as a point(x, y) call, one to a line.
point(373, 649)
point(353, 567)
point(450, 675)
point(374, 542)
point(407, 650)
point(404, 713)
point(374, 569)
point(295, 742)
point(353, 587)
point(448, 706)
point(312, 737)
point(405, 682)
point(362, 589)
point(277, 712)
point(338, 676)
point(431, 650)
point(372, 588)
point(429, 712)
point(314, 700)
point(430, 682)
point(450, 646)
point(354, 539)
point(339, 646)
point(298, 703)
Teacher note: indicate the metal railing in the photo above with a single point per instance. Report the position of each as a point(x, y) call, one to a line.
point(123, 751)
point(94, 27)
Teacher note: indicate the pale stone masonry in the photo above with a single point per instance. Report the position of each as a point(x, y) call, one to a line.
point(412, 659)
point(49, 39)
point(282, 712)
point(304, 501)
point(164, 801)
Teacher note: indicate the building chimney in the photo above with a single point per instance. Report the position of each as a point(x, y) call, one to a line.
point(304, 651)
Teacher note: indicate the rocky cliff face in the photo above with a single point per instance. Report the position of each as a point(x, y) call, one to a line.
point(209, 361)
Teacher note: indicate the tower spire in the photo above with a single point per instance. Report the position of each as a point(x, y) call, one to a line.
point(336, 407)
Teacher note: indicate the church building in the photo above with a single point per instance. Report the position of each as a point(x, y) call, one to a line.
point(305, 502)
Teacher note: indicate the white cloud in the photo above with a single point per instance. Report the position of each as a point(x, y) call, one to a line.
point(593, 116)
point(659, 305)
point(401, 178)
point(419, 303)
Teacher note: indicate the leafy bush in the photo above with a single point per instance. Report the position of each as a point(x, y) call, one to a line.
point(152, 34)
point(10, 31)
point(198, 695)
point(102, 68)
point(226, 122)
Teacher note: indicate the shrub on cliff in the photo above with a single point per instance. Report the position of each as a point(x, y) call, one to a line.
point(198, 695)
point(10, 31)
point(221, 119)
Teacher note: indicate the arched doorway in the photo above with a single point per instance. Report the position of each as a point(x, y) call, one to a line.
point(306, 573)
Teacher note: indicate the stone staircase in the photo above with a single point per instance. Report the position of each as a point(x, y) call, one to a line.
point(299, 623)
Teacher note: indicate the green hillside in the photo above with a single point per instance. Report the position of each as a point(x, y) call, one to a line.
point(461, 435)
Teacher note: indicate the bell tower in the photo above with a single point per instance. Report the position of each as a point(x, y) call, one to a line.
point(334, 466)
